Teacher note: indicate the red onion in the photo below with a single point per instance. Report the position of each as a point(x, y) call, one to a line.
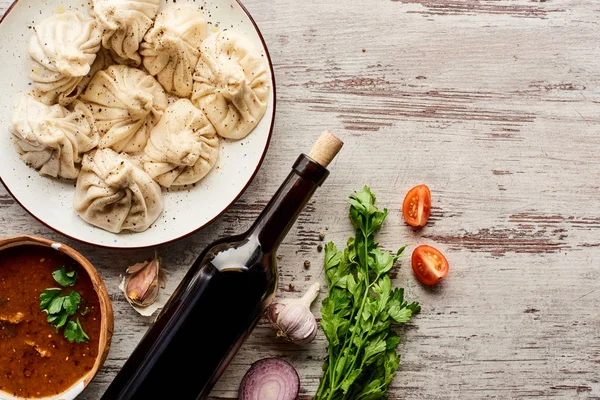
point(270, 379)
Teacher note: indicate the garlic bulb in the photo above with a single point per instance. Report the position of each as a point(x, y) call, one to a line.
point(292, 317)
point(143, 282)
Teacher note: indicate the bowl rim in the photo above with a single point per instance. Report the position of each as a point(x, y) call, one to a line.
point(106, 310)
point(226, 208)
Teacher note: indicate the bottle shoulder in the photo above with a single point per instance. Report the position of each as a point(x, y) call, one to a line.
point(239, 253)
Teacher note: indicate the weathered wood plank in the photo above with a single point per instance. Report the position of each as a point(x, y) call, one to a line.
point(495, 105)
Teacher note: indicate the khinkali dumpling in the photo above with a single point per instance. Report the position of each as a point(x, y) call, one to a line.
point(61, 50)
point(231, 84)
point(51, 138)
point(126, 103)
point(115, 195)
point(172, 47)
point(125, 23)
point(103, 60)
point(183, 146)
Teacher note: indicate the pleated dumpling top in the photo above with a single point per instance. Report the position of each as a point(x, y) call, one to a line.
point(183, 147)
point(125, 22)
point(126, 104)
point(61, 52)
point(114, 194)
point(172, 47)
point(52, 139)
point(231, 84)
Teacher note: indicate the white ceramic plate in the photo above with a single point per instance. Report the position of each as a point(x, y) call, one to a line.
point(51, 201)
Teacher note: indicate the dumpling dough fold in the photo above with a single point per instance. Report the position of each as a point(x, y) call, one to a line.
point(103, 60)
point(126, 103)
point(183, 147)
point(61, 50)
point(125, 23)
point(115, 195)
point(231, 84)
point(52, 139)
point(172, 47)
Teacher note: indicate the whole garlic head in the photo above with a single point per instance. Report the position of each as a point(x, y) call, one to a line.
point(293, 319)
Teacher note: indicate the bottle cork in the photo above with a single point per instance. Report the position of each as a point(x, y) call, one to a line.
point(325, 148)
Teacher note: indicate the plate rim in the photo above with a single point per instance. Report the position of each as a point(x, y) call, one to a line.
point(226, 208)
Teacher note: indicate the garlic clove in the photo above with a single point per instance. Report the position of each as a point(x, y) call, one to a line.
point(273, 312)
point(143, 281)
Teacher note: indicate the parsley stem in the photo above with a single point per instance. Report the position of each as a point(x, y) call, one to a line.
point(331, 360)
point(335, 385)
point(355, 357)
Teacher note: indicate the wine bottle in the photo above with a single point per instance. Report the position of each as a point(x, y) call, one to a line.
point(221, 298)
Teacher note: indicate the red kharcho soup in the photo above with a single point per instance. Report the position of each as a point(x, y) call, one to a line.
point(39, 358)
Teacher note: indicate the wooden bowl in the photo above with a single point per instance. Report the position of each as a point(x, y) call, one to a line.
point(106, 312)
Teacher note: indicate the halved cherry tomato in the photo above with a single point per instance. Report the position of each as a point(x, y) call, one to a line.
point(429, 264)
point(417, 206)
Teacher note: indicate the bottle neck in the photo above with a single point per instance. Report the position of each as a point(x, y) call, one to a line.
point(279, 215)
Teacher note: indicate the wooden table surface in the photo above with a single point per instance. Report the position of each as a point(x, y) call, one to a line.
point(495, 104)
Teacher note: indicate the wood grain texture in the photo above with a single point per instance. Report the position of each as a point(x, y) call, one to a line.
point(495, 104)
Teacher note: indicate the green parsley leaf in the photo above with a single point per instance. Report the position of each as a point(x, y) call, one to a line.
point(71, 302)
point(375, 347)
point(400, 315)
point(61, 307)
point(347, 383)
point(384, 261)
point(363, 213)
point(56, 305)
point(47, 296)
point(392, 341)
point(57, 320)
point(64, 278)
point(52, 318)
point(74, 332)
point(360, 309)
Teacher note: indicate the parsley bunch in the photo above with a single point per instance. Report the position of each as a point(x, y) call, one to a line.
point(60, 307)
point(359, 310)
